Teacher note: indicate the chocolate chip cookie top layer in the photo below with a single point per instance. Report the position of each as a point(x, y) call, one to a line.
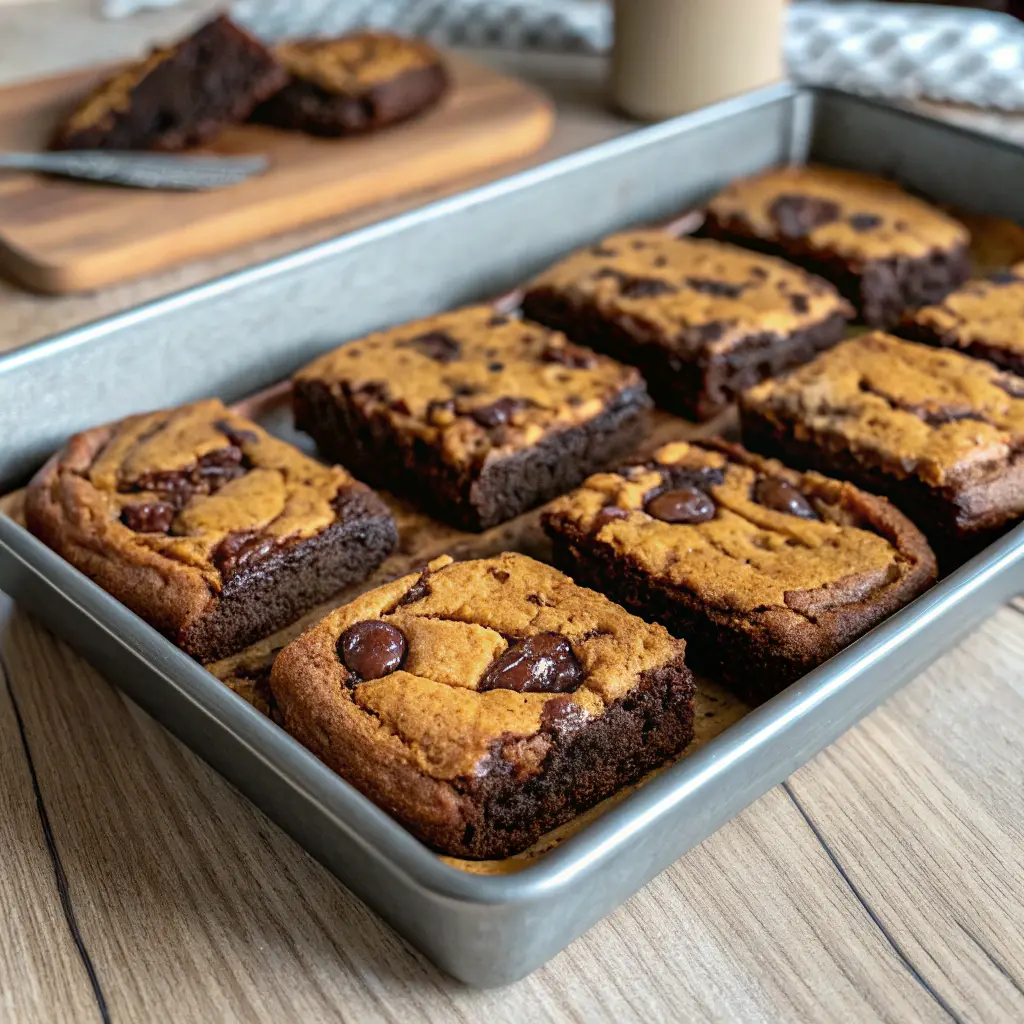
point(911, 409)
point(710, 295)
point(984, 317)
point(352, 64)
point(856, 216)
point(474, 382)
point(763, 536)
point(491, 650)
point(201, 486)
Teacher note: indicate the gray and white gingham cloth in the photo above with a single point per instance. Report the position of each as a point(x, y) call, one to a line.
point(892, 51)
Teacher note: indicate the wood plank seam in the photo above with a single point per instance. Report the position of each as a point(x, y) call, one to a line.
point(63, 887)
point(875, 919)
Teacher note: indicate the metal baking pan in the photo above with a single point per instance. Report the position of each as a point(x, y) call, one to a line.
point(239, 334)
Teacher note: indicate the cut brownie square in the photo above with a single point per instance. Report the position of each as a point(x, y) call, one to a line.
point(476, 415)
point(483, 703)
point(700, 319)
point(885, 250)
point(206, 526)
point(984, 318)
point(767, 572)
point(939, 433)
point(356, 83)
point(179, 96)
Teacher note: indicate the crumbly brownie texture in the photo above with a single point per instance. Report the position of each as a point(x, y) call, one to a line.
point(766, 572)
point(984, 318)
point(700, 319)
point(179, 96)
point(353, 84)
point(939, 433)
point(885, 250)
point(206, 526)
point(476, 415)
point(483, 703)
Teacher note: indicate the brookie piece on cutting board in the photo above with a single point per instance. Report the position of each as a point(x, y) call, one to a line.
point(355, 83)
point(765, 571)
point(206, 526)
point(179, 96)
point(482, 703)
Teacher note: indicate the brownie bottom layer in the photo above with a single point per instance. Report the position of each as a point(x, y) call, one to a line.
point(476, 498)
point(953, 534)
point(305, 106)
point(881, 289)
point(1004, 358)
point(697, 388)
point(635, 735)
point(263, 598)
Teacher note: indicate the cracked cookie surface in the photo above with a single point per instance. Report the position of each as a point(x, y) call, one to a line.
point(766, 571)
point(444, 694)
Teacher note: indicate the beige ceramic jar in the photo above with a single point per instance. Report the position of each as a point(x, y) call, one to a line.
point(673, 56)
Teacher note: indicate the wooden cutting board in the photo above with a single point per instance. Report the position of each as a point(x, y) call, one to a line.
point(63, 236)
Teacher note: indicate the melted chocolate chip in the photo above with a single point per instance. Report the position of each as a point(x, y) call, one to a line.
point(238, 551)
point(709, 286)
point(498, 321)
point(602, 250)
point(660, 261)
point(372, 649)
point(464, 390)
point(148, 517)
point(686, 505)
point(799, 303)
point(497, 413)
point(796, 216)
point(500, 575)
point(645, 288)
point(781, 496)
point(573, 356)
point(861, 222)
point(544, 663)
point(437, 345)
point(608, 514)
point(419, 590)
point(495, 367)
point(562, 715)
point(210, 473)
point(1003, 277)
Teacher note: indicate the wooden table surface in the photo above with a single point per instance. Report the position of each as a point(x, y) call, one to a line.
point(884, 881)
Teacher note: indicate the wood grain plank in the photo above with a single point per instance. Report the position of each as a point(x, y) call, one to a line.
point(957, 910)
point(42, 977)
point(59, 236)
point(188, 897)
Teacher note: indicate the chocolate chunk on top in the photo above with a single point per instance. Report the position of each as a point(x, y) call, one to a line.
point(543, 663)
point(783, 497)
point(372, 649)
point(682, 505)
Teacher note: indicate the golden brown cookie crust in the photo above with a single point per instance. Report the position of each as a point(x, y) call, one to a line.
point(874, 218)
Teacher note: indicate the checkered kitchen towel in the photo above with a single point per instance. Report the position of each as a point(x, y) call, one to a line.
point(888, 50)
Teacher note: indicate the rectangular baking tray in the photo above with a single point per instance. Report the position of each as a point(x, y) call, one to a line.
point(239, 334)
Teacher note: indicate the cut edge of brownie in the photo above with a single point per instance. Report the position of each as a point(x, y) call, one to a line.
point(758, 653)
point(697, 389)
point(496, 814)
point(880, 289)
point(163, 115)
point(942, 514)
point(268, 594)
point(305, 106)
point(475, 500)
